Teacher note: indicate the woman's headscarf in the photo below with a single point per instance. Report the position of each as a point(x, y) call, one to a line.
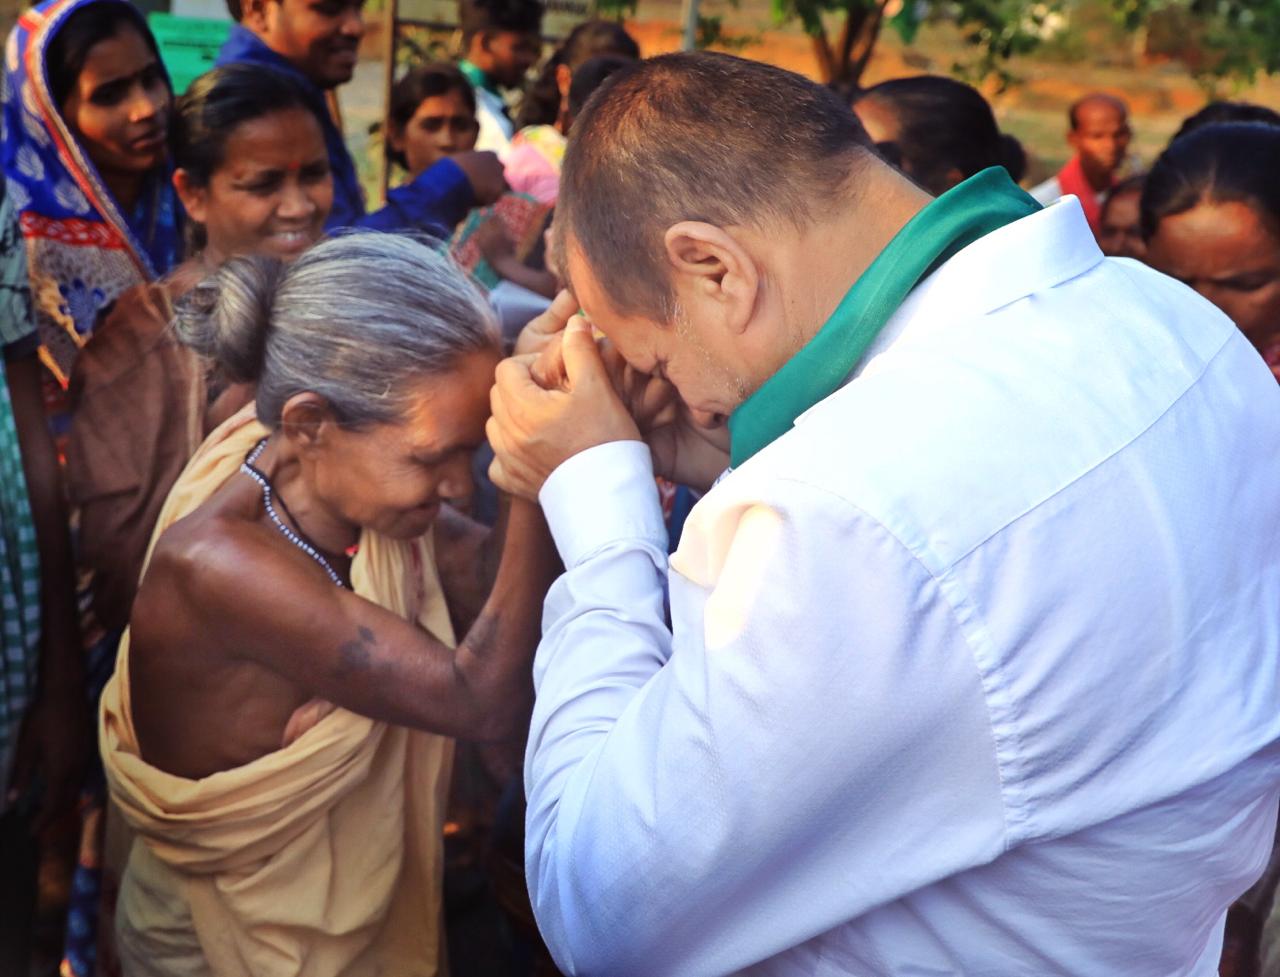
point(83, 249)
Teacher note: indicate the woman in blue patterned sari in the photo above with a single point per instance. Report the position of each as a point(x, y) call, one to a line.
point(86, 106)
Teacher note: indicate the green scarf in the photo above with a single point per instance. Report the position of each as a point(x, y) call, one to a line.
point(981, 204)
point(478, 77)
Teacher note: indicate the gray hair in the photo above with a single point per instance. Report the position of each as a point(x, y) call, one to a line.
point(351, 320)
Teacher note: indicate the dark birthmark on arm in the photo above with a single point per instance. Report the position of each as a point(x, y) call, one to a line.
point(355, 656)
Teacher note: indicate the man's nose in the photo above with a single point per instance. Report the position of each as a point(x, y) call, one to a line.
point(353, 23)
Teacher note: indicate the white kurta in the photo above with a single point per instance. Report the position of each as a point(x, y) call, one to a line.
point(496, 129)
point(975, 671)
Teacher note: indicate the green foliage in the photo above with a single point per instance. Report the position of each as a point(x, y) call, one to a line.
point(1223, 39)
point(994, 30)
point(810, 12)
point(418, 45)
point(710, 32)
point(616, 9)
point(1230, 39)
point(997, 30)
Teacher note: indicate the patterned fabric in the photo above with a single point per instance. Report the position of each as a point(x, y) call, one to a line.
point(17, 323)
point(84, 249)
point(19, 584)
point(19, 559)
point(524, 219)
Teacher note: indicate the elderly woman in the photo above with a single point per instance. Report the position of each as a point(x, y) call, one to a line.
point(277, 730)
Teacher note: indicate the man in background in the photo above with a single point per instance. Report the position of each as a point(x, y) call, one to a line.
point(502, 42)
point(1100, 136)
point(317, 41)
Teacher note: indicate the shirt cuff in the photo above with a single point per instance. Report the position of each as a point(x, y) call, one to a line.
point(600, 496)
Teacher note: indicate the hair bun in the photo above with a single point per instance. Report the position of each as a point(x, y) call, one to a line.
point(227, 317)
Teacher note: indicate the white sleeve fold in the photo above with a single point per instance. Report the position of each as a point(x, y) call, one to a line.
point(698, 807)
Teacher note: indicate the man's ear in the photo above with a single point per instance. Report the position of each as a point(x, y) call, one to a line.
point(254, 15)
point(715, 269)
point(195, 200)
point(564, 78)
point(308, 421)
point(1073, 139)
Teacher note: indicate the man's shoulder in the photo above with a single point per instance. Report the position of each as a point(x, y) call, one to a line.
point(1084, 479)
point(243, 46)
point(962, 427)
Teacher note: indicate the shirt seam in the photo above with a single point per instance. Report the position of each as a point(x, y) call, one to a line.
point(1011, 813)
point(1085, 472)
point(1003, 713)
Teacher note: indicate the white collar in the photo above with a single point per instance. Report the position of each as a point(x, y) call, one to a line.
point(1033, 253)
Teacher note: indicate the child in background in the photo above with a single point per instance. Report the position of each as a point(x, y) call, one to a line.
point(538, 175)
point(433, 115)
point(537, 151)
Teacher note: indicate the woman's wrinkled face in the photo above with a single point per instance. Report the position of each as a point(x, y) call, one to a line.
point(442, 125)
point(272, 192)
point(392, 478)
point(119, 105)
point(1228, 254)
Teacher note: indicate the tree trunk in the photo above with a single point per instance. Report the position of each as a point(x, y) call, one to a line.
point(825, 56)
point(865, 45)
point(843, 64)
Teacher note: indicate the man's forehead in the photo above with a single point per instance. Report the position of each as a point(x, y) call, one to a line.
point(1101, 111)
point(592, 294)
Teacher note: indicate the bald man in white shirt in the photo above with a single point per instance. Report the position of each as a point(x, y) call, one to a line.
point(970, 663)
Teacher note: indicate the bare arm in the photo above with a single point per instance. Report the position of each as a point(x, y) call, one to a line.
point(467, 558)
point(266, 606)
point(541, 282)
point(500, 252)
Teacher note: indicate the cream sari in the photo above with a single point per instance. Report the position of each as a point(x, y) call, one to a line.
point(321, 859)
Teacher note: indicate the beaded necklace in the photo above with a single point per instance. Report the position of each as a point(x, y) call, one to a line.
point(297, 539)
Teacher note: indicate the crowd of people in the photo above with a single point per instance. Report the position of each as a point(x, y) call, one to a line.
point(855, 571)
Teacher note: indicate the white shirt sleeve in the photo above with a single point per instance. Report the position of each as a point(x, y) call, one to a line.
point(813, 744)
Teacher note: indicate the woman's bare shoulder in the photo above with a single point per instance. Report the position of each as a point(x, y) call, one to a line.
point(206, 565)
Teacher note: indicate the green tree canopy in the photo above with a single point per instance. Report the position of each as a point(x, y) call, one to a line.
point(1231, 38)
